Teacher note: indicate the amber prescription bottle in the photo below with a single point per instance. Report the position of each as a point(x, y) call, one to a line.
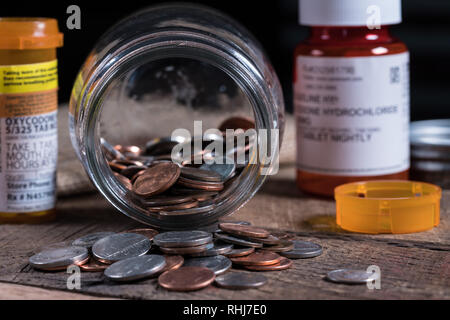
point(28, 121)
point(351, 95)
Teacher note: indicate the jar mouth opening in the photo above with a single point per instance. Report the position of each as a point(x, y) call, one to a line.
point(125, 62)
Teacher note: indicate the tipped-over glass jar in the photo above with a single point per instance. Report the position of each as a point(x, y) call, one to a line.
point(168, 85)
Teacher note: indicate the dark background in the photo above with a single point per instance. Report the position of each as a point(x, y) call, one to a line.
point(426, 31)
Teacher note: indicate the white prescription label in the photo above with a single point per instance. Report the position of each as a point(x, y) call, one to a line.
point(28, 158)
point(352, 114)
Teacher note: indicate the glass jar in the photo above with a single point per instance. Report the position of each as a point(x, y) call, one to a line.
point(160, 70)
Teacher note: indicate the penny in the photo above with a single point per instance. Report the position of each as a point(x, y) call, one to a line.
point(237, 123)
point(199, 174)
point(187, 250)
point(284, 264)
point(239, 252)
point(88, 240)
point(156, 179)
point(135, 268)
point(186, 279)
point(131, 171)
point(59, 258)
point(258, 258)
point(201, 185)
point(147, 232)
point(120, 246)
point(110, 150)
point(129, 150)
point(238, 241)
point(240, 280)
point(201, 209)
point(270, 240)
point(164, 200)
point(303, 249)
point(350, 276)
point(93, 266)
point(243, 230)
point(282, 246)
point(174, 207)
point(179, 239)
point(124, 180)
point(219, 247)
point(173, 262)
point(218, 264)
point(203, 196)
point(225, 169)
point(117, 167)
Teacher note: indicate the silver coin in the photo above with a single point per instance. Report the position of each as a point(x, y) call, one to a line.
point(303, 249)
point(350, 276)
point(226, 169)
point(270, 240)
point(217, 264)
point(135, 268)
point(219, 247)
point(236, 240)
point(88, 241)
point(241, 280)
point(120, 246)
point(58, 258)
point(180, 239)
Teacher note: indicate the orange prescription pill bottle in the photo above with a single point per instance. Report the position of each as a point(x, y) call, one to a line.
point(28, 118)
point(351, 95)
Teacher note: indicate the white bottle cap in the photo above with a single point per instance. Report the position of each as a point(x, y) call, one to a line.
point(350, 12)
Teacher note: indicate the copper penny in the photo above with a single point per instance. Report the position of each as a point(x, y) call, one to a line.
point(116, 166)
point(239, 252)
point(186, 278)
point(201, 185)
point(173, 262)
point(164, 200)
point(258, 258)
point(93, 266)
point(131, 171)
point(237, 123)
point(124, 180)
point(156, 179)
point(283, 246)
point(284, 264)
point(128, 150)
point(203, 196)
point(187, 250)
point(174, 207)
point(243, 230)
point(147, 232)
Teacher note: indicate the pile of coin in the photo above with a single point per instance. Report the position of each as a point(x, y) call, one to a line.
point(171, 188)
point(183, 260)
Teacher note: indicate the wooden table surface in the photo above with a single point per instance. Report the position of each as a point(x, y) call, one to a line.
point(413, 266)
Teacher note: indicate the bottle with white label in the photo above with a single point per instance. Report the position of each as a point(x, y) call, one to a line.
point(351, 95)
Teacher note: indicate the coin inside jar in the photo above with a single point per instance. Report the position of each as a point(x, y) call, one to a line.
point(174, 207)
point(156, 179)
point(186, 279)
point(240, 280)
point(124, 180)
point(243, 230)
point(166, 200)
point(199, 174)
point(258, 258)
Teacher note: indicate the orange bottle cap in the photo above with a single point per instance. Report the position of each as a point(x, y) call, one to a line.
point(29, 33)
point(387, 206)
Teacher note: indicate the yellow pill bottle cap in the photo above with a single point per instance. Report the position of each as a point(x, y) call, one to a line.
point(387, 206)
point(29, 33)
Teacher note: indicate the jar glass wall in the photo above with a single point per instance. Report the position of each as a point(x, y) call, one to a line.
point(166, 68)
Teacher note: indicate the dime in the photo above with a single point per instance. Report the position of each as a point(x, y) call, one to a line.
point(219, 247)
point(303, 249)
point(88, 240)
point(238, 241)
point(124, 180)
point(350, 276)
point(243, 230)
point(93, 266)
point(187, 250)
point(239, 252)
point(284, 264)
point(178, 239)
point(258, 258)
point(173, 262)
point(135, 268)
point(174, 207)
point(120, 246)
point(201, 209)
point(166, 200)
point(282, 246)
point(241, 280)
point(218, 264)
point(199, 174)
point(147, 232)
point(59, 258)
point(156, 179)
point(237, 123)
point(225, 169)
point(186, 279)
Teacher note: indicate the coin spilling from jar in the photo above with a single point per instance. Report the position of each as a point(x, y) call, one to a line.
point(188, 180)
point(182, 260)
